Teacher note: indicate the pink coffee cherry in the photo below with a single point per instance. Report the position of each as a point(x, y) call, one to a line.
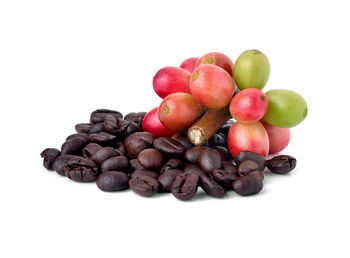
point(278, 137)
point(189, 64)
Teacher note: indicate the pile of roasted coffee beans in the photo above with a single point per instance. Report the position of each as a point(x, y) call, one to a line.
point(114, 152)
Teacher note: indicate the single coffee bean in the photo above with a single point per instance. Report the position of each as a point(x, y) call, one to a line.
point(258, 174)
point(226, 127)
point(81, 135)
point(151, 159)
point(119, 146)
point(60, 162)
point(185, 186)
point(110, 181)
point(144, 185)
point(73, 146)
point(137, 142)
point(247, 167)
point(282, 164)
point(209, 160)
point(118, 163)
point(144, 172)
point(97, 128)
point(193, 153)
point(112, 124)
point(229, 167)
point(128, 128)
point(247, 185)
point(171, 164)
point(49, 155)
point(99, 115)
point(183, 139)
point(91, 149)
point(224, 178)
point(102, 138)
point(81, 169)
point(224, 153)
point(206, 183)
point(104, 153)
point(135, 117)
point(167, 178)
point(83, 128)
point(248, 155)
point(217, 140)
point(168, 146)
point(135, 165)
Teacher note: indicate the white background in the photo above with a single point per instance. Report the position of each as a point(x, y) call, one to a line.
point(59, 60)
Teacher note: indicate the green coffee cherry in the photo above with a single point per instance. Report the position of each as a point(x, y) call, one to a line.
point(251, 70)
point(286, 108)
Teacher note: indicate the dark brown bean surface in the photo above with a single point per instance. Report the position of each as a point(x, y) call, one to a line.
point(144, 185)
point(224, 153)
point(137, 142)
point(247, 185)
point(91, 149)
point(135, 117)
point(185, 186)
point(102, 138)
point(83, 128)
point(97, 128)
point(169, 146)
point(209, 160)
point(229, 167)
point(135, 165)
point(81, 169)
point(224, 178)
point(151, 159)
point(81, 135)
point(171, 164)
point(118, 163)
point(73, 146)
point(104, 153)
point(183, 139)
point(193, 153)
point(49, 155)
point(248, 155)
point(281, 164)
point(99, 115)
point(217, 140)
point(60, 162)
point(119, 146)
point(167, 178)
point(247, 167)
point(144, 172)
point(112, 181)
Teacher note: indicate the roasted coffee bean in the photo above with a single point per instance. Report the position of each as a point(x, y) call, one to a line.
point(49, 155)
point(224, 178)
point(144, 172)
point(217, 140)
point(167, 178)
point(207, 184)
point(151, 159)
point(248, 155)
point(135, 117)
point(247, 185)
point(258, 174)
point(112, 181)
point(83, 128)
point(120, 127)
point(97, 128)
point(144, 185)
point(171, 164)
point(91, 149)
point(135, 165)
point(99, 115)
point(185, 186)
point(282, 164)
point(104, 153)
point(73, 146)
point(60, 162)
point(226, 127)
point(193, 153)
point(247, 167)
point(112, 124)
point(224, 153)
point(137, 142)
point(183, 139)
point(75, 135)
point(102, 138)
point(209, 160)
point(128, 128)
point(168, 146)
point(118, 163)
point(229, 167)
point(119, 146)
point(81, 169)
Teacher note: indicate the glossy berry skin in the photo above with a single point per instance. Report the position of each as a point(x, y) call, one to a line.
point(250, 137)
point(278, 137)
point(170, 80)
point(218, 59)
point(189, 64)
point(152, 124)
point(179, 111)
point(248, 105)
point(212, 86)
